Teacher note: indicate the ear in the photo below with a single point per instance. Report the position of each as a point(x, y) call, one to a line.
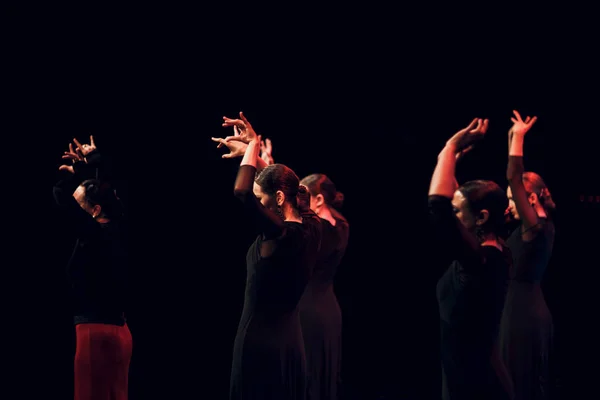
point(319, 200)
point(482, 217)
point(96, 210)
point(280, 198)
point(533, 198)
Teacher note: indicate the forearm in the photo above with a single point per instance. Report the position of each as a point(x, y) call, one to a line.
point(443, 181)
point(516, 145)
point(260, 165)
point(244, 181)
point(251, 155)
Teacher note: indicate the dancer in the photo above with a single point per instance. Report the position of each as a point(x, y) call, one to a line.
point(526, 328)
point(320, 313)
point(97, 271)
point(268, 355)
point(472, 290)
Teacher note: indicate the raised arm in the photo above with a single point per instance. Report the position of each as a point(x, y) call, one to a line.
point(515, 169)
point(79, 220)
point(461, 244)
point(267, 221)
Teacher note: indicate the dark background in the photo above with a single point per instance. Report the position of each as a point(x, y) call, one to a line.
point(368, 97)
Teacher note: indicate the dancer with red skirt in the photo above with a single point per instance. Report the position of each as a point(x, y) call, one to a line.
point(97, 272)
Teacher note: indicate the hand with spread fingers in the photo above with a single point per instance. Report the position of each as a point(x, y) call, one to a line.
point(266, 150)
point(246, 132)
point(85, 149)
point(237, 148)
point(77, 154)
point(519, 127)
point(467, 137)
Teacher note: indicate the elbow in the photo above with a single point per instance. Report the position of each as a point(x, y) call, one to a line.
point(241, 192)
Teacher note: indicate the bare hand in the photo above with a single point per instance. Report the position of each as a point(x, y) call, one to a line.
point(85, 149)
point(468, 136)
point(462, 153)
point(73, 155)
point(520, 127)
point(266, 149)
point(246, 131)
point(236, 148)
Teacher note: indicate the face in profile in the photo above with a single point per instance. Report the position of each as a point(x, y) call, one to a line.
point(512, 208)
point(79, 195)
point(265, 199)
point(462, 211)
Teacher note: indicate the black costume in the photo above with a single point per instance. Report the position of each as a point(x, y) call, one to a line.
point(321, 317)
point(526, 330)
point(268, 354)
point(470, 296)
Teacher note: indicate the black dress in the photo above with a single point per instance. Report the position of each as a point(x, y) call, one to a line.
point(526, 330)
point(470, 296)
point(268, 355)
point(321, 317)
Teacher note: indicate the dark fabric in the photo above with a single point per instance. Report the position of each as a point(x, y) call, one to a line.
point(470, 297)
point(526, 332)
point(102, 359)
point(268, 353)
point(97, 269)
point(321, 317)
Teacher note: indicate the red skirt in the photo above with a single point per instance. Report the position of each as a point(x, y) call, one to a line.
point(102, 358)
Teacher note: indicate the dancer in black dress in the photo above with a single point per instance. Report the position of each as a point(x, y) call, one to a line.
point(526, 328)
point(97, 270)
point(268, 356)
point(472, 290)
point(320, 313)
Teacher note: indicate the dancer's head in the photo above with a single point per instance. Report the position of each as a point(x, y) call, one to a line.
point(323, 193)
point(479, 205)
point(278, 188)
point(99, 200)
point(537, 193)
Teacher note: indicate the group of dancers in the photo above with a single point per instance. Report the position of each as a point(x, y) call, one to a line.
point(496, 330)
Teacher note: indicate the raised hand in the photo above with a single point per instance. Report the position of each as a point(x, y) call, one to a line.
point(462, 153)
point(74, 155)
point(468, 136)
point(521, 127)
point(85, 149)
point(236, 148)
point(246, 132)
point(266, 150)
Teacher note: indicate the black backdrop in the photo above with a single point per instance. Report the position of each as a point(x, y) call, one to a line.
point(368, 107)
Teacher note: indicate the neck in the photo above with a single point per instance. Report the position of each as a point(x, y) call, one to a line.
point(291, 214)
point(491, 240)
point(101, 220)
point(541, 213)
point(325, 213)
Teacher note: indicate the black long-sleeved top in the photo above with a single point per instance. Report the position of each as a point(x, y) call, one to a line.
point(470, 296)
point(97, 267)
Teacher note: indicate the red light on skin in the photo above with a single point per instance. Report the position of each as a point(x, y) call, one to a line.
point(581, 198)
point(597, 199)
point(591, 199)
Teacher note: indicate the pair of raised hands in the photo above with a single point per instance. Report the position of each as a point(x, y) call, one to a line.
point(464, 140)
point(76, 154)
point(243, 133)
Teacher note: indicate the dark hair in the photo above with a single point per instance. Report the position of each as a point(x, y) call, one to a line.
point(486, 195)
point(321, 184)
point(102, 194)
point(535, 184)
point(276, 177)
